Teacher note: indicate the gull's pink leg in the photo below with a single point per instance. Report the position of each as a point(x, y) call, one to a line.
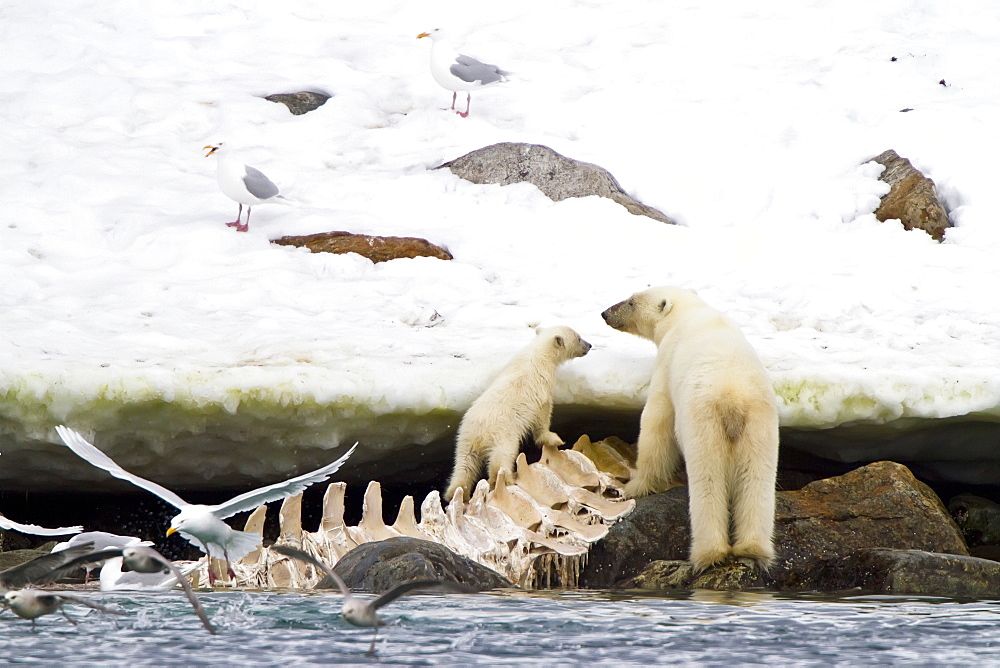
point(245, 226)
point(468, 103)
point(236, 223)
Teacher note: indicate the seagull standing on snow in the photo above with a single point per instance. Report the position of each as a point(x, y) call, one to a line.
point(455, 71)
point(241, 183)
point(199, 524)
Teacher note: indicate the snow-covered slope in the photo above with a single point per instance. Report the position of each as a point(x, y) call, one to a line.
point(128, 307)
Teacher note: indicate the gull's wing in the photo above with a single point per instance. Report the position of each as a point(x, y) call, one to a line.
point(34, 529)
point(89, 556)
point(82, 600)
point(191, 597)
point(87, 451)
point(309, 559)
point(400, 589)
point(46, 567)
point(469, 69)
point(259, 185)
point(279, 490)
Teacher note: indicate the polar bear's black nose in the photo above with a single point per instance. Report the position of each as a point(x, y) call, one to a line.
point(586, 346)
point(606, 314)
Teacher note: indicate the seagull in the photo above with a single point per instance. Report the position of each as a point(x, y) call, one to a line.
point(32, 603)
point(101, 540)
point(35, 530)
point(146, 560)
point(455, 71)
point(41, 569)
point(241, 183)
point(200, 524)
point(113, 577)
point(363, 612)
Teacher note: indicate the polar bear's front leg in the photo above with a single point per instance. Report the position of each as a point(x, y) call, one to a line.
point(658, 456)
point(541, 432)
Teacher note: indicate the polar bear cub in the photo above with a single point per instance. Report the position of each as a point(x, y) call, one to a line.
point(518, 402)
point(710, 401)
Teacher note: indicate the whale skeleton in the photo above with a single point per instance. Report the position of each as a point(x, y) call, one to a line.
point(535, 526)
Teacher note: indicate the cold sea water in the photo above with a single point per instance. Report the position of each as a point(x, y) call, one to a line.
point(700, 627)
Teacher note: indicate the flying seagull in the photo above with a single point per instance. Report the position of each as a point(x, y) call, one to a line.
point(241, 183)
point(363, 612)
point(35, 530)
point(200, 524)
point(144, 559)
point(32, 603)
point(41, 569)
point(101, 540)
point(455, 71)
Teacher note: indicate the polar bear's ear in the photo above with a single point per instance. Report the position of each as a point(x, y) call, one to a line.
point(665, 306)
point(560, 343)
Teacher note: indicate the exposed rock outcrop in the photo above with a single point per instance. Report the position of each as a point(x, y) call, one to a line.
point(886, 571)
point(912, 197)
point(879, 505)
point(376, 249)
point(555, 175)
point(381, 565)
point(300, 103)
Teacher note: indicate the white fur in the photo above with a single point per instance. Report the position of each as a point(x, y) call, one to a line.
point(518, 402)
point(710, 401)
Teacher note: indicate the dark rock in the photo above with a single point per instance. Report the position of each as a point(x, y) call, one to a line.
point(300, 103)
point(886, 571)
point(380, 566)
point(879, 505)
point(978, 518)
point(376, 249)
point(730, 576)
point(555, 175)
point(912, 198)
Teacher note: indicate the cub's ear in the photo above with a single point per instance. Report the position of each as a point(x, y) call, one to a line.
point(559, 342)
point(665, 307)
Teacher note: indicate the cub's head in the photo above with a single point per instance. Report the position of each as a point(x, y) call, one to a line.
point(564, 342)
point(643, 311)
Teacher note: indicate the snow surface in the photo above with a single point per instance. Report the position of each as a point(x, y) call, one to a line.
point(128, 305)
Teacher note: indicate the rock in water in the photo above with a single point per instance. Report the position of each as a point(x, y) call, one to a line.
point(879, 505)
point(555, 175)
point(380, 566)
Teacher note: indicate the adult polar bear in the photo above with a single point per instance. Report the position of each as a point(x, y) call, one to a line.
point(710, 401)
point(518, 402)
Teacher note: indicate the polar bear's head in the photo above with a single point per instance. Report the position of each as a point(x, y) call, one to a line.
point(642, 312)
point(564, 342)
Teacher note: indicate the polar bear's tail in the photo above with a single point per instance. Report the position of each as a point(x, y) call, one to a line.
point(733, 415)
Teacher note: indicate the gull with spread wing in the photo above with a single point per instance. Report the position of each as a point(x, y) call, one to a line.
point(201, 524)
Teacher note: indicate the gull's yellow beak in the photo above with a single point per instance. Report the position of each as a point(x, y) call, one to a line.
point(210, 149)
point(172, 530)
point(423, 34)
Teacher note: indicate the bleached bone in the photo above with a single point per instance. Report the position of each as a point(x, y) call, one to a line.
point(372, 522)
point(605, 458)
point(573, 467)
point(535, 526)
point(406, 520)
point(333, 507)
point(255, 524)
point(290, 520)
